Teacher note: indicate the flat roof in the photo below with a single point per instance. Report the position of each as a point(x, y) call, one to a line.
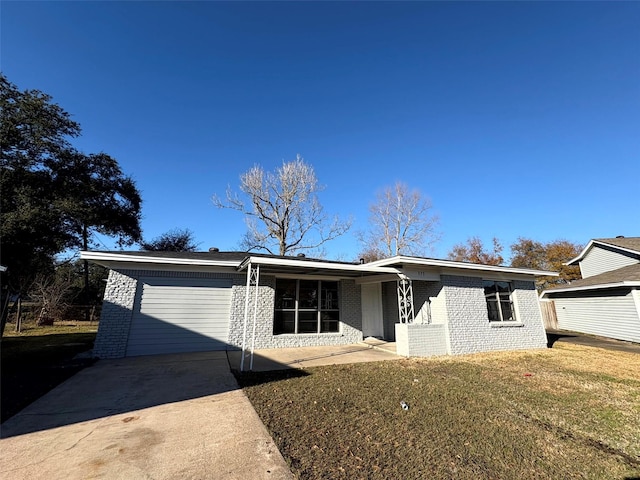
point(290, 264)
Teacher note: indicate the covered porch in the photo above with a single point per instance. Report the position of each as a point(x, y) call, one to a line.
point(405, 312)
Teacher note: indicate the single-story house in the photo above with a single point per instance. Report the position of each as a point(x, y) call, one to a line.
point(165, 302)
point(606, 301)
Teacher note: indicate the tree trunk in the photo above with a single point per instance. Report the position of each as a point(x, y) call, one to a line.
point(19, 314)
point(85, 264)
point(5, 309)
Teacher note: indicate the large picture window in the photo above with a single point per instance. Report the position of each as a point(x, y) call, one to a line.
point(499, 303)
point(306, 306)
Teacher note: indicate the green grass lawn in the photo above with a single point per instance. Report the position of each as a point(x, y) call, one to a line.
point(37, 359)
point(567, 412)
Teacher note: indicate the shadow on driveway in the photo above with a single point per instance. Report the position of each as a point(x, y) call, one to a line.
point(112, 387)
point(554, 336)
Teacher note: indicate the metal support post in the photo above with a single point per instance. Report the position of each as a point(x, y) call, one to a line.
point(405, 301)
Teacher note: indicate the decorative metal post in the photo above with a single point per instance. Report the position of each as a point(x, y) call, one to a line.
point(405, 301)
point(255, 280)
point(253, 275)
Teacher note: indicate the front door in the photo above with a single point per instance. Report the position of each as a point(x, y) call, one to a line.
point(372, 310)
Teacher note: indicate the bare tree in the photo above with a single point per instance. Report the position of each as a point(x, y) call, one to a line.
point(52, 292)
point(282, 210)
point(400, 222)
point(474, 252)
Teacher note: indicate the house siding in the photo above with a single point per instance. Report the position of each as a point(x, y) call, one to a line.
point(120, 297)
point(469, 330)
point(613, 316)
point(600, 260)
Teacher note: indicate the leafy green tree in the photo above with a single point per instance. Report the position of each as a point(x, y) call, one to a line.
point(54, 197)
point(175, 240)
point(33, 134)
point(474, 251)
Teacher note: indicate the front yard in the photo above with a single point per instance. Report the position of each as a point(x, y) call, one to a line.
point(38, 359)
point(567, 412)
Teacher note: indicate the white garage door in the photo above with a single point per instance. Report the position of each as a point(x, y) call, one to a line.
point(175, 315)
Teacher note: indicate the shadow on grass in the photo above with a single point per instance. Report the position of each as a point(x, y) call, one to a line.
point(33, 365)
point(250, 379)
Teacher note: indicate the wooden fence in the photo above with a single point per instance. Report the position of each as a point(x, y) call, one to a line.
point(549, 317)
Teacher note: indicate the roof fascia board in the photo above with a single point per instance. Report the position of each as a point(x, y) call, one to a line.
point(488, 274)
point(581, 255)
point(126, 259)
point(293, 276)
point(377, 279)
point(461, 266)
point(590, 245)
point(602, 286)
point(305, 264)
point(421, 275)
point(166, 267)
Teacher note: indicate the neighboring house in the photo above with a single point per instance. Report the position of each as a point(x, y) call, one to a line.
point(165, 302)
point(606, 301)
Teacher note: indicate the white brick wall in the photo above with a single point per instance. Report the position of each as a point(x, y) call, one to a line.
point(350, 319)
point(457, 301)
point(120, 300)
point(469, 328)
point(415, 340)
point(115, 319)
point(120, 297)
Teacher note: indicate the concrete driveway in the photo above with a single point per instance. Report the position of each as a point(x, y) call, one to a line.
point(306, 357)
point(157, 417)
point(565, 336)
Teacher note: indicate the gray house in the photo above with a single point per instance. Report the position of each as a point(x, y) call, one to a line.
point(166, 302)
point(606, 301)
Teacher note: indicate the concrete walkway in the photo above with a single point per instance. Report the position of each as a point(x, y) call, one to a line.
point(285, 358)
point(157, 417)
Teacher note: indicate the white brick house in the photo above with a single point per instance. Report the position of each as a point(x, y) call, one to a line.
point(167, 302)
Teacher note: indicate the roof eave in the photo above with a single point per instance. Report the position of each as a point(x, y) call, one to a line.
point(600, 286)
point(109, 257)
point(305, 264)
point(461, 265)
point(591, 243)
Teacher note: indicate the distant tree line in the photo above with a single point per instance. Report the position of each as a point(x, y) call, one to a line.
point(525, 253)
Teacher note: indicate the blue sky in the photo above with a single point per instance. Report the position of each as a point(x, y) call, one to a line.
point(516, 119)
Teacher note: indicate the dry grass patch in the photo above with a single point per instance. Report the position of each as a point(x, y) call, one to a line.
point(570, 412)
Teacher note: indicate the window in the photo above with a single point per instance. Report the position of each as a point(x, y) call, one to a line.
point(306, 306)
point(499, 304)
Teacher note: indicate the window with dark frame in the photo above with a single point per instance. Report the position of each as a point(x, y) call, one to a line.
point(306, 306)
point(499, 303)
